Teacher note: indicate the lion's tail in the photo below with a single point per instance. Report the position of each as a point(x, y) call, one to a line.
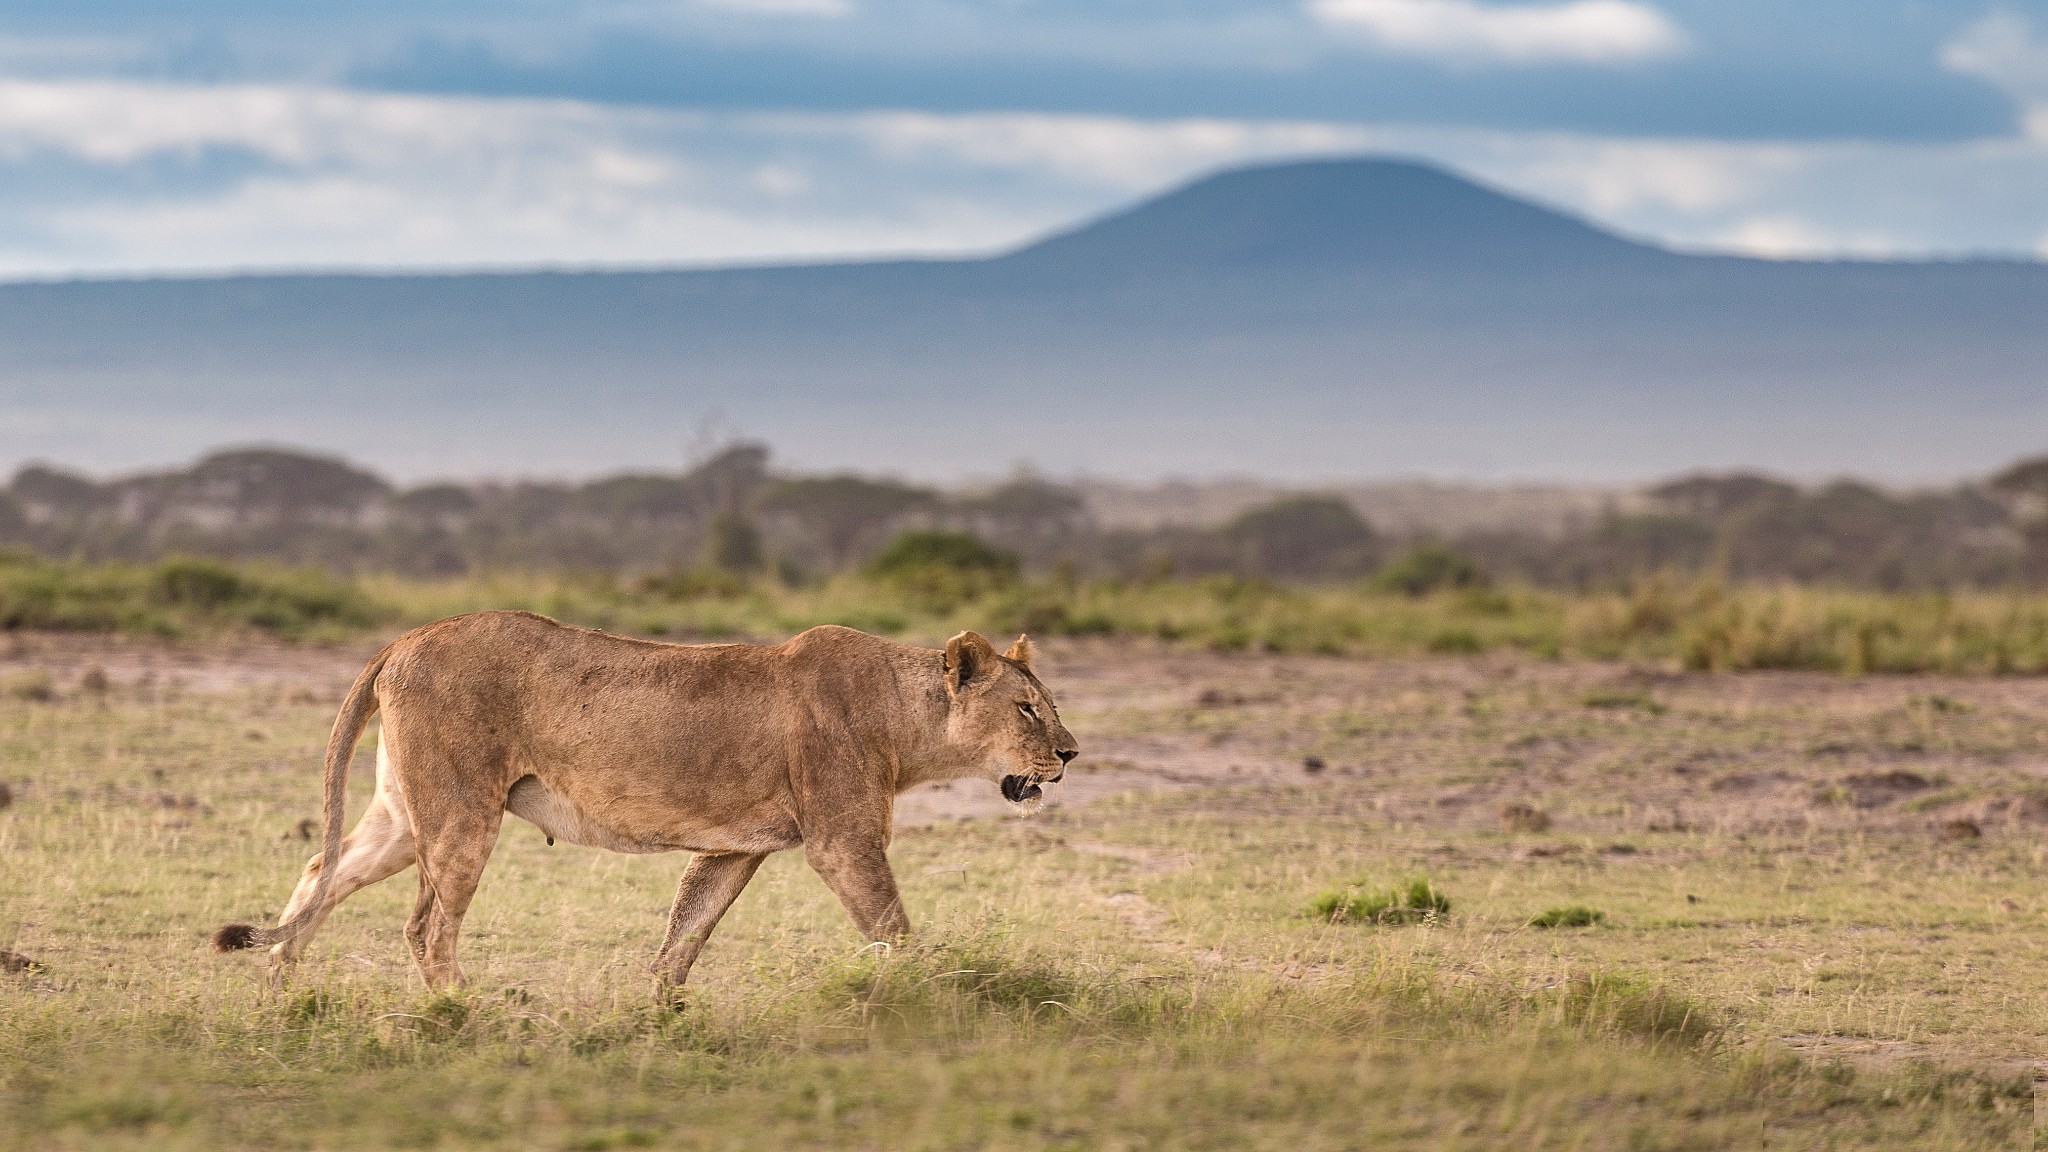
point(341, 748)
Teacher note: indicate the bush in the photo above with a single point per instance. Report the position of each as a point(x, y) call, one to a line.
point(943, 569)
point(734, 545)
point(1429, 568)
point(1417, 901)
point(1301, 536)
point(915, 553)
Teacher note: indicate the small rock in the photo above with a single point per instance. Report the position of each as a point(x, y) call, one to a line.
point(1523, 817)
point(15, 964)
point(1312, 764)
point(94, 682)
point(1961, 828)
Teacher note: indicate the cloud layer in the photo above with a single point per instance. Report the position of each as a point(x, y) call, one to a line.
point(123, 177)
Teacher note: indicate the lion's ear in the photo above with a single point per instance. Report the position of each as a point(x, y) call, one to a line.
point(1022, 651)
point(967, 655)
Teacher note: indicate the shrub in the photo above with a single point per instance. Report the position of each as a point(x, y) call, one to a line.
point(943, 569)
point(915, 553)
point(734, 545)
point(1301, 536)
point(1429, 568)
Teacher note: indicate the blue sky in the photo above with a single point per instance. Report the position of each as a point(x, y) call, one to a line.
point(163, 136)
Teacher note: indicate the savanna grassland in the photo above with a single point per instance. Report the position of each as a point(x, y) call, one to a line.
point(1284, 901)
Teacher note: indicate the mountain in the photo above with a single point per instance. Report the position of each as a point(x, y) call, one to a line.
point(1342, 216)
point(1326, 319)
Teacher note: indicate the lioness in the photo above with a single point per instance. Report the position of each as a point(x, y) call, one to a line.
point(730, 751)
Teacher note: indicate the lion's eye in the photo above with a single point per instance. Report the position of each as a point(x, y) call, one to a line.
point(1029, 712)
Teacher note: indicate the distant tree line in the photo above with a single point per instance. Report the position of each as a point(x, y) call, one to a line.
point(735, 515)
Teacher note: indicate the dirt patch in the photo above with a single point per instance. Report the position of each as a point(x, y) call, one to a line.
point(1442, 742)
point(92, 664)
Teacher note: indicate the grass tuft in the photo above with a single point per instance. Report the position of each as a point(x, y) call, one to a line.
point(1414, 903)
point(1569, 916)
point(1627, 1005)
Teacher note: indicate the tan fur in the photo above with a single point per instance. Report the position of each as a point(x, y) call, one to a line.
point(728, 751)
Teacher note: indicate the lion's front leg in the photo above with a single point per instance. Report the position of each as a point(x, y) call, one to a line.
point(857, 870)
point(710, 884)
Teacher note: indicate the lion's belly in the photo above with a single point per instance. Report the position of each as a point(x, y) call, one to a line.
point(638, 828)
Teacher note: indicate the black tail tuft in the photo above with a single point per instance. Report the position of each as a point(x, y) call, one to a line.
point(234, 937)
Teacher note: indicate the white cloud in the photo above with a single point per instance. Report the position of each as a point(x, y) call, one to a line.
point(1779, 237)
point(1616, 178)
point(1574, 32)
point(784, 180)
point(2001, 49)
point(114, 122)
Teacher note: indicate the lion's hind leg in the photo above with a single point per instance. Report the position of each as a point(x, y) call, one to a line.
point(379, 847)
point(455, 842)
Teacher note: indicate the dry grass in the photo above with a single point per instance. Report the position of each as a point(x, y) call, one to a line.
point(1826, 971)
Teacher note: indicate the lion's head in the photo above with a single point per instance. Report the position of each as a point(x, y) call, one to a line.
point(1004, 717)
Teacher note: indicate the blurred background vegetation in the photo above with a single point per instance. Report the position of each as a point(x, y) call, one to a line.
point(1705, 571)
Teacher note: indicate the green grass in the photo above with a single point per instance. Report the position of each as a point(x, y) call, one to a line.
point(180, 597)
point(1035, 1008)
point(1699, 625)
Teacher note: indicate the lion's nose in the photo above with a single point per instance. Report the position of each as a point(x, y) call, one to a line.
point(1067, 755)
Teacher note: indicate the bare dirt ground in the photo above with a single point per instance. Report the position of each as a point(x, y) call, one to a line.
point(1591, 748)
point(143, 661)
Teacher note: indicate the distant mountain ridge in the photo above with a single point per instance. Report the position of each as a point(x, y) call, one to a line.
point(1338, 319)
